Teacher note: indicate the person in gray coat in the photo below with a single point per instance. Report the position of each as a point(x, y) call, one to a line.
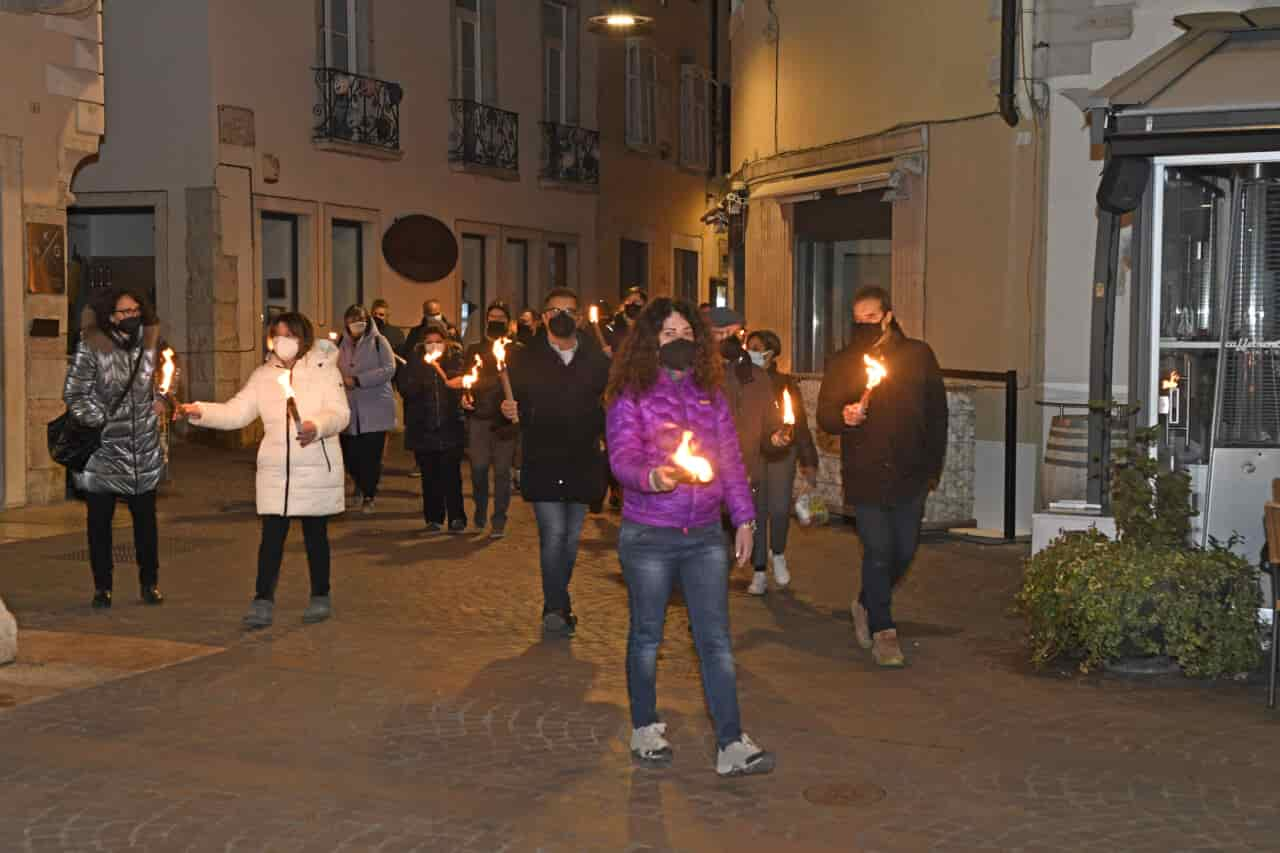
point(115, 361)
point(368, 365)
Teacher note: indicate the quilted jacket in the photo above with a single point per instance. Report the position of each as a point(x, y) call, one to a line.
point(372, 363)
point(130, 461)
point(644, 431)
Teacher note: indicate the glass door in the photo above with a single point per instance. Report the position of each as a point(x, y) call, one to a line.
point(279, 264)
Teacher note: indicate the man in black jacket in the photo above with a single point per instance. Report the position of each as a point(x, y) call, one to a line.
point(892, 451)
point(559, 382)
point(491, 437)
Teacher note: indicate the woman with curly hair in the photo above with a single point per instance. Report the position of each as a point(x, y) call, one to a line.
point(665, 382)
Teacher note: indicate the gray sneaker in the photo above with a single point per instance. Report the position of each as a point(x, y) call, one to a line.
point(260, 614)
point(743, 758)
point(318, 610)
point(649, 745)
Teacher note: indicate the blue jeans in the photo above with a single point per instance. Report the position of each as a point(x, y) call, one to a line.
point(559, 530)
point(889, 534)
point(652, 560)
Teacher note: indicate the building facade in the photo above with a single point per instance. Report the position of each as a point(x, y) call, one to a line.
point(51, 120)
point(871, 151)
point(256, 155)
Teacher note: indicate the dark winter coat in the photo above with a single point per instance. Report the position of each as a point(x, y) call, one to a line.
point(756, 414)
point(487, 392)
point(561, 422)
point(130, 461)
point(899, 450)
point(802, 441)
point(432, 410)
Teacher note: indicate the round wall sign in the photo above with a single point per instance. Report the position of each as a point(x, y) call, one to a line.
point(420, 248)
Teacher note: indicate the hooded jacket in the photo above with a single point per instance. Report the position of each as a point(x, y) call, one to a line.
point(293, 480)
point(371, 362)
point(130, 461)
point(644, 431)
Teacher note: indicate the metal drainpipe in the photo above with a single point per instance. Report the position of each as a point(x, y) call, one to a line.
point(1009, 13)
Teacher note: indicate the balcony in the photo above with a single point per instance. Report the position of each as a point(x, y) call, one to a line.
point(357, 114)
point(570, 157)
point(484, 140)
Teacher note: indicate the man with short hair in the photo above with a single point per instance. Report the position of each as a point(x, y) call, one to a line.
point(381, 313)
point(559, 386)
point(632, 304)
point(892, 450)
point(491, 437)
point(432, 314)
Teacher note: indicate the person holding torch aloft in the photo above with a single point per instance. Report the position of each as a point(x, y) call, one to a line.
point(893, 440)
point(299, 395)
point(674, 447)
point(491, 437)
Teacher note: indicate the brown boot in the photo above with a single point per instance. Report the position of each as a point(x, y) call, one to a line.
point(861, 627)
point(885, 650)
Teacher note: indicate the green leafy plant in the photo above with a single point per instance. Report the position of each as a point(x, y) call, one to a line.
point(1092, 599)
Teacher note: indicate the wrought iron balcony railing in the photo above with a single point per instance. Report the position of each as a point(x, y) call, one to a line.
point(354, 108)
point(570, 155)
point(481, 135)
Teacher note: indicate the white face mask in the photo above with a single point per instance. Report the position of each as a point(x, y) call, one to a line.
point(286, 348)
point(760, 359)
point(357, 328)
point(434, 349)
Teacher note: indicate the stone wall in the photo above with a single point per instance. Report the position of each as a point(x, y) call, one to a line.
point(952, 504)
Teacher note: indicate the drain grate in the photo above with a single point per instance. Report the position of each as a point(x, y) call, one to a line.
point(123, 553)
point(845, 794)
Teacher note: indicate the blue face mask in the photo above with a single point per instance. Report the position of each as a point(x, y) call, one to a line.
point(760, 359)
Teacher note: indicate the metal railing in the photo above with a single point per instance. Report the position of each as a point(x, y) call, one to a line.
point(358, 109)
point(481, 135)
point(570, 154)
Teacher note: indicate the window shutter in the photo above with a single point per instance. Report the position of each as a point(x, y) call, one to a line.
point(633, 93)
point(322, 60)
point(488, 59)
point(363, 32)
point(571, 60)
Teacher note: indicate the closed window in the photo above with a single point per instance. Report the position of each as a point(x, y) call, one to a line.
point(468, 51)
point(642, 93)
point(554, 60)
point(346, 35)
point(697, 98)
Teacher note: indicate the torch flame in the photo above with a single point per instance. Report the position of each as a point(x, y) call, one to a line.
point(698, 467)
point(470, 378)
point(1171, 384)
point(876, 371)
point(286, 385)
point(593, 313)
point(431, 357)
point(166, 370)
point(788, 413)
point(333, 336)
point(500, 353)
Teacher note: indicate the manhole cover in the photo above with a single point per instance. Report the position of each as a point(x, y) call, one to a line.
point(845, 794)
point(122, 552)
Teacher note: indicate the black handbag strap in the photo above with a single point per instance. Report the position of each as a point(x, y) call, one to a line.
point(128, 386)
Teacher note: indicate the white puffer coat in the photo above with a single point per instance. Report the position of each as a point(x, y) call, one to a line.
point(292, 480)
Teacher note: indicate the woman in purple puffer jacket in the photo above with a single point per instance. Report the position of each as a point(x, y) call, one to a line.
point(665, 381)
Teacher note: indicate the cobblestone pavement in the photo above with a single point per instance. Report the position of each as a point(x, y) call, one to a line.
point(429, 714)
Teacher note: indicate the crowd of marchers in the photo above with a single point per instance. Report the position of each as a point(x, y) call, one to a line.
point(677, 415)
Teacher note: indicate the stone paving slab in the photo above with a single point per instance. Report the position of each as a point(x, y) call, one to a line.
point(430, 714)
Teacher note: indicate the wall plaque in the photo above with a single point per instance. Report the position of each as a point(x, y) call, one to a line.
point(46, 258)
point(235, 126)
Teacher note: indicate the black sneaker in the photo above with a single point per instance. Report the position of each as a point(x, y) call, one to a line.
point(480, 522)
point(102, 599)
point(458, 525)
point(499, 529)
point(152, 595)
point(559, 622)
point(433, 528)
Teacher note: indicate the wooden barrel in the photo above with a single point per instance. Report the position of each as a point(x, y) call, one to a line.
point(1065, 470)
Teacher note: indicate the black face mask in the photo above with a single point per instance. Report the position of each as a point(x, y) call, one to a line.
point(678, 354)
point(562, 326)
point(632, 310)
point(129, 326)
point(380, 323)
point(864, 335)
point(496, 329)
point(731, 348)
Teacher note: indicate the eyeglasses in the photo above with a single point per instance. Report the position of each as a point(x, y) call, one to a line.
point(127, 312)
point(568, 312)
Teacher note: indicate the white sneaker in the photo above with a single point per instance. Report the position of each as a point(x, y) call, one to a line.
point(781, 576)
point(743, 758)
point(649, 745)
point(759, 584)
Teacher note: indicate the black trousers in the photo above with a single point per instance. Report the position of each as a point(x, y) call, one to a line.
point(315, 534)
point(146, 536)
point(362, 454)
point(441, 485)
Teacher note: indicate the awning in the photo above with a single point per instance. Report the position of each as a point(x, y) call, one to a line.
point(842, 181)
point(1213, 90)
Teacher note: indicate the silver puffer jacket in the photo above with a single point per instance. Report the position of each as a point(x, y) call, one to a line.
point(130, 461)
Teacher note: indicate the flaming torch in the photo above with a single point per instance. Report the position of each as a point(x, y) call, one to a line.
point(500, 357)
point(470, 380)
point(291, 404)
point(788, 415)
point(433, 359)
point(168, 369)
point(876, 372)
point(593, 315)
point(694, 468)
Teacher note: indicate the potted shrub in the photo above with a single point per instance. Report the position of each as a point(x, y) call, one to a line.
point(1148, 592)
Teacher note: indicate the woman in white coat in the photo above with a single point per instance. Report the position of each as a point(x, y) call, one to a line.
point(300, 471)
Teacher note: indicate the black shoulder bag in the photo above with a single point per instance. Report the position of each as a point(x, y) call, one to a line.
point(71, 443)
